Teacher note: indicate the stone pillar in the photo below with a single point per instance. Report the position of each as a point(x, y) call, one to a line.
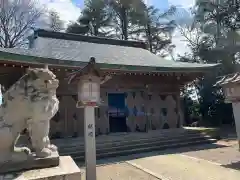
point(236, 112)
point(90, 144)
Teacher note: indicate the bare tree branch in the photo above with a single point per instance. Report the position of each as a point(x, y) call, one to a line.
point(55, 23)
point(17, 17)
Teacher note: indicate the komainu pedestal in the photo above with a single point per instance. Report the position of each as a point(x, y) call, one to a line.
point(66, 170)
point(29, 104)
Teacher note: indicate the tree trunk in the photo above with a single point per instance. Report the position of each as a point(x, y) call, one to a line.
point(149, 36)
point(124, 23)
point(95, 29)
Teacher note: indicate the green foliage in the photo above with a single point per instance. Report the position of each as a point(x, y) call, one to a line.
point(223, 13)
point(93, 20)
point(155, 27)
point(210, 42)
point(125, 13)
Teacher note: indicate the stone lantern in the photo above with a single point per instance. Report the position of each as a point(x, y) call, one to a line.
point(231, 88)
point(88, 81)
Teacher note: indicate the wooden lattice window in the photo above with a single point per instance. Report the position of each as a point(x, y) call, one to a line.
point(163, 97)
point(176, 110)
point(75, 116)
point(164, 111)
point(133, 95)
point(150, 97)
point(152, 111)
point(135, 111)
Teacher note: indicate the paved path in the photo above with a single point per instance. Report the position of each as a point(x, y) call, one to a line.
point(164, 166)
point(227, 155)
point(120, 171)
point(182, 167)
point(203, 162)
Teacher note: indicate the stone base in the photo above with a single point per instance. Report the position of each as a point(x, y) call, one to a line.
point(67, 170)
point(29, 163)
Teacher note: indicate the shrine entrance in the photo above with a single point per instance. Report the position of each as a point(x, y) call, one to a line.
point(117, 117)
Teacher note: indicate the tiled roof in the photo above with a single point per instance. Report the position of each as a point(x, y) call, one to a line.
point(90, 39)
point(63, 49)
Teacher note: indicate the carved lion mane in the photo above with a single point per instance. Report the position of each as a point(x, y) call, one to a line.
point(30, 103)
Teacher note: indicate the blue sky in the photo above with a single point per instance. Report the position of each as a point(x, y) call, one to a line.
point(69, 10)
point(161, 4)
point(79, 3)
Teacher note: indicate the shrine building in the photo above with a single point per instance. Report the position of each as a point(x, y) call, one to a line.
point(142, 94)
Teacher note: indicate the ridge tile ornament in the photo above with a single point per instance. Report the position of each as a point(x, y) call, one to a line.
point(30, 103)
point(231, 88)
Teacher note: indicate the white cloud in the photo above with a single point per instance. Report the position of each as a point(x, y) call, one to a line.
point(181, 46)
point(183, 3)
point(65, 8)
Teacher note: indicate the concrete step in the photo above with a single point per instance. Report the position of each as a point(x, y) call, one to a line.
point(146, 149)
point(130, 142)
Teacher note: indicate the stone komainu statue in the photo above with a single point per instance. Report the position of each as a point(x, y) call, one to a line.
point(30, 103)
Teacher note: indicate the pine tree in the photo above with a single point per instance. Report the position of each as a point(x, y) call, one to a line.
point(94, 20)
point(155, 28)
point(123, 12)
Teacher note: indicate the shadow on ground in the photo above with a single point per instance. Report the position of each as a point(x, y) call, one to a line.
point(155, 153)
point(228, 139)
point(235, 165)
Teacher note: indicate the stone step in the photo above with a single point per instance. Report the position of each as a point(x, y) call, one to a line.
point(120, 136)
point(146, 149)
point(123, 147)
point(121, 144)
point(130, 142)
point(73, 142)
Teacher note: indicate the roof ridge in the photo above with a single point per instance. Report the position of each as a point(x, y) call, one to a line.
point(90, 39)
